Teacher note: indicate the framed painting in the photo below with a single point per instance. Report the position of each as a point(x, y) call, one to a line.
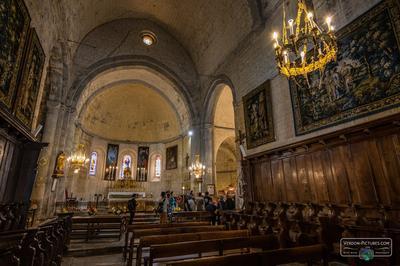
point(171, 158)
point(142, 164)
point(211, 189)
point(258, 116)
point(111, 162)
point(29, 84)
point(365, 78)
point(14, 26)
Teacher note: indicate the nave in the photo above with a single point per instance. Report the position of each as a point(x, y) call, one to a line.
point(199, 132)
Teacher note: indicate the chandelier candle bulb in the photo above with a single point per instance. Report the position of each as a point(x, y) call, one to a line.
point(291, 28)
point(302, 54)
point(328, 21)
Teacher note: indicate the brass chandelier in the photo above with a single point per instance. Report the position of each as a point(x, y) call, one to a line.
point(78, 159)
point(304, 46)
point(197, 168)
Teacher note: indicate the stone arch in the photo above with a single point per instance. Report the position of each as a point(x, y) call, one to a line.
point(226, 164)
point(212, 97)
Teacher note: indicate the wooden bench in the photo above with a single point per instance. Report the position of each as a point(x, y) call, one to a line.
point(165, 251)
point(137, 226)
point(307, 254)
point(88, 227)
point(147, 241)
point(165, 231)
point(274, 257)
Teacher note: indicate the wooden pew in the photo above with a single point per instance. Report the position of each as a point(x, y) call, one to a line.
point(191, 215)
point(147, 241)
point(307, 254)
point(43, 245)
point(216, 245)
point(137, 226)
point(91, 226)
point(165, 231)
point(247, 259)
point(274, 257)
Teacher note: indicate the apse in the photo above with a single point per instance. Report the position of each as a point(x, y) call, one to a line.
point(131, 113)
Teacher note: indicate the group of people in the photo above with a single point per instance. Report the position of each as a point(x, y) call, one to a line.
point(168, 203)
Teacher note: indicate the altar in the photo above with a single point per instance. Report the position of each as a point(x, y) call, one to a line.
point(118, 196)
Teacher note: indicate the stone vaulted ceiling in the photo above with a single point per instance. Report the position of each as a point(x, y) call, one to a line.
point(208, 29)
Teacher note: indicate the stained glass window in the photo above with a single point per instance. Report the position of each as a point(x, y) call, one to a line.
point(126, 169)
point(93, 163)
point(158, 166)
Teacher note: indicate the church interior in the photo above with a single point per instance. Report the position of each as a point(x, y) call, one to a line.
point(199, 132)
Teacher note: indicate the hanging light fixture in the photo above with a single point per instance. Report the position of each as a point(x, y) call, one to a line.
point(304, 46)
point(197, 168)
point(78, 159)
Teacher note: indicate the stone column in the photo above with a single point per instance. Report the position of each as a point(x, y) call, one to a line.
point(207, 154)
point(46, 161)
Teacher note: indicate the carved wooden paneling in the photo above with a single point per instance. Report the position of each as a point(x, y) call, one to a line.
point(389, 151)
point(362, 170)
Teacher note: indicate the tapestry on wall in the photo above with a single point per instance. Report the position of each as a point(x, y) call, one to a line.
point(14, 25)
point(365, 79)
point(111, 162)
point(258, 116)
point(30, 80)
point(142, 164)
point(171, 158)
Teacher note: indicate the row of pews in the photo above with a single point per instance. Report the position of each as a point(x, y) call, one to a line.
point(39, 246)
point(196, 242)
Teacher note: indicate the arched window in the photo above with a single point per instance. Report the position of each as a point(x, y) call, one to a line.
point(156, 168)
point(93, 163)
point(126, 169)
point(157, 172)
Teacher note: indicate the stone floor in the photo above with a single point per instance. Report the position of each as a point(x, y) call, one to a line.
point(103, 260)
point(109, 253)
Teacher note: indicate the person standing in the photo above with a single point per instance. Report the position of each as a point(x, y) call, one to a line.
point(230, 203)
point(207, 200)
point(200, 203)
point(211, 208)
point(163, 208)
point(221, 203)
point(192, 205)
point(172, 201)
point(132, 204)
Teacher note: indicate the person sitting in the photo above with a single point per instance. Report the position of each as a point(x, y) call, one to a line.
point(132, 204)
